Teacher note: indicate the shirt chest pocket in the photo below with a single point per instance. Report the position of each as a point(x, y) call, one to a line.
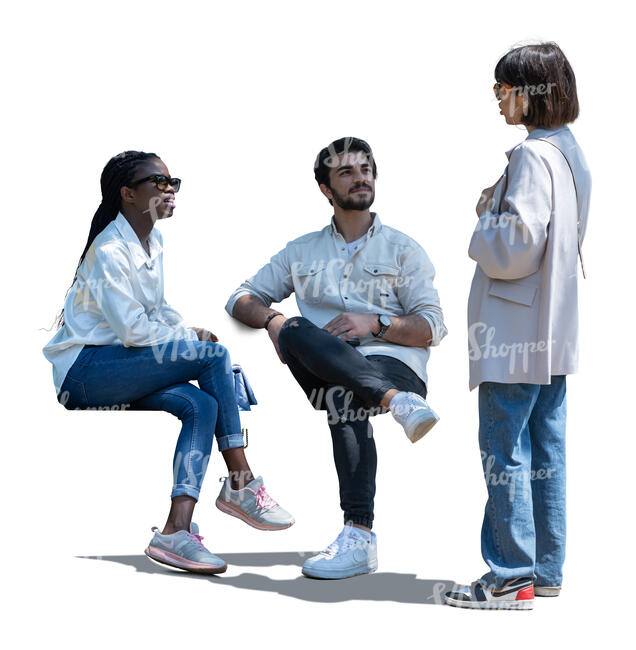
point(379, 287)
point(309, 282)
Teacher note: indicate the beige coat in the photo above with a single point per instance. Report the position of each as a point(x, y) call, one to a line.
point(522, 309)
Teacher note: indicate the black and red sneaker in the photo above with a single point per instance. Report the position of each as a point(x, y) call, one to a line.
point(516, 594)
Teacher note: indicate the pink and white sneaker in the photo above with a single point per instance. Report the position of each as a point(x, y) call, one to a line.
point(253, 505)
point(184, 550)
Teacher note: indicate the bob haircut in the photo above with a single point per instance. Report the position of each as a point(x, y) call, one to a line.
point(544, 77)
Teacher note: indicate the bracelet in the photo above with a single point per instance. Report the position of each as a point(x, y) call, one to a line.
point(269, 318)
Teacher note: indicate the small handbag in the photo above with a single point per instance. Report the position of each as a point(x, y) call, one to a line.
point(244, 394)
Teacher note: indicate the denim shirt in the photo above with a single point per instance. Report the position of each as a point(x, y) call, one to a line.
point(389, 273)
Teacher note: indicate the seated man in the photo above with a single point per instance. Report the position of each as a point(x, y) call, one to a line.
point(369, 313)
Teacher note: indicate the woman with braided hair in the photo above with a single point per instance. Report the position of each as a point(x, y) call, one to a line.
point(120, 346)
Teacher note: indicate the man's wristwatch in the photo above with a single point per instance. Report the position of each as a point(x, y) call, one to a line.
point(385, 323)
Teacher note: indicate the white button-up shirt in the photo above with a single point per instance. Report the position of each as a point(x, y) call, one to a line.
point(117, 299)
point(389, 273)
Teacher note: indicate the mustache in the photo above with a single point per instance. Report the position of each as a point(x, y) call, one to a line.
point(359, 187)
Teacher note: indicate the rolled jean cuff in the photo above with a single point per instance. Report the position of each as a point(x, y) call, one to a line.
point(180, 490)
point(230, 442)
point(360, 520)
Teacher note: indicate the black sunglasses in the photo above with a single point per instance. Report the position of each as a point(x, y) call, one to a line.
point(160, 181)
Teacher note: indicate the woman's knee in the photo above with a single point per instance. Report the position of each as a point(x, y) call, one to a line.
point(216, 355)
point(187, 401)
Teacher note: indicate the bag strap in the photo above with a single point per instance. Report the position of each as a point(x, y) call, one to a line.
point(576, 192)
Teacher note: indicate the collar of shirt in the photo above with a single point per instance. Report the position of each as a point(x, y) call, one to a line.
point(137, 251)
point(538, 133)
point(374, 229)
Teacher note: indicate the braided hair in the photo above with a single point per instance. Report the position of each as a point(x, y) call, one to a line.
point(119, 171)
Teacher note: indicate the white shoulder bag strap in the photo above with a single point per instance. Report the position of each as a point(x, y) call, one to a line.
point(576, 191)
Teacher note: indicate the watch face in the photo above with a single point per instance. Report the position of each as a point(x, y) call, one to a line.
point(385, 320)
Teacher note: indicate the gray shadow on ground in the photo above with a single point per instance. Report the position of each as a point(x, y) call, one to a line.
point(396, 587)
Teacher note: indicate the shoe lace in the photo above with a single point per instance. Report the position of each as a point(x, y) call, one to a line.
point(197, 539)
point(343, 542)
point(263, 500)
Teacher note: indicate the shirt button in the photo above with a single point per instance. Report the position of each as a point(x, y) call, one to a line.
point(346, 298)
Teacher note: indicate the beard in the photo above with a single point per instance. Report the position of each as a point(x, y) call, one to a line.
point(354, 201)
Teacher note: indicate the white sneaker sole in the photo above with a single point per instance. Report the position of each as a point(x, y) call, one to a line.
point(178, 562)
point(340, 575)
point(419, 424)
point(490, 604)
point(229, 509)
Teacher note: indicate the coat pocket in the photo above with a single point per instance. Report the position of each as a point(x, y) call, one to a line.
point(522, 294)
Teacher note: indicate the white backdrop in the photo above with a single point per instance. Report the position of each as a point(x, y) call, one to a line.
point(237, 100)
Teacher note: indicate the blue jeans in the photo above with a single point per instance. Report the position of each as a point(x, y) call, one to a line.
point(157, 379)
point(522, 442)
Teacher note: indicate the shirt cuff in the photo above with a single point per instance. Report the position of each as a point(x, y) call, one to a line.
point(191, 335)
point(239, 293)
point(438, 330)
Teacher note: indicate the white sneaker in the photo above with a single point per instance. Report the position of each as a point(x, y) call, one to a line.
point(253, 505)
point(517, 594)
point(414, 414)
point(354, 552)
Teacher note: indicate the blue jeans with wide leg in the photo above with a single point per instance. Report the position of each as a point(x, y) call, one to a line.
point(522, 442)
point(157, 379)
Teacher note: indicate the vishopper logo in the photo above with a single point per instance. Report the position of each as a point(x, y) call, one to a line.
point(482, 347)
point(90, 292)
point(333, 277)
point(190, 350)
point(337, 401)
point(337, 158)
point(153, 205)
point(526, 91)
point(193, 464)
point(65, 396)
point(510, 478)
point(513, 223)
point(441, 588)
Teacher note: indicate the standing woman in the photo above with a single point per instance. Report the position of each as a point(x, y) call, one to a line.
point(523, 330)
point(121, 345)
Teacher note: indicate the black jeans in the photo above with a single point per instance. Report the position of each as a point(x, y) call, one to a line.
point(349, 386)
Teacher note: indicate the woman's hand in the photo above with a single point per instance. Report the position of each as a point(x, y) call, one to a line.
point(205, 335)
point(484, 200)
